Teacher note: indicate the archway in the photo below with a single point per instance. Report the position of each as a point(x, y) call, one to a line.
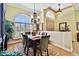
point(50, 17)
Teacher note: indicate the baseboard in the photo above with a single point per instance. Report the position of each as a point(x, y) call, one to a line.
point(69, 50)
point(66, 49)
point(14, 42)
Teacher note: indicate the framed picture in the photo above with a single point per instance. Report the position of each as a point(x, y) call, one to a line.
point(62, 26)
point(77, 25)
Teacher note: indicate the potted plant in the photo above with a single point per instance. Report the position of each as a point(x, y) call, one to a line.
point(9, 28)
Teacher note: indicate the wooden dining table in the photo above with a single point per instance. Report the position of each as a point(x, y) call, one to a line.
point(35, 40)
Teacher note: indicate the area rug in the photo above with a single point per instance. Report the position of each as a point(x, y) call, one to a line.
point(19, 48)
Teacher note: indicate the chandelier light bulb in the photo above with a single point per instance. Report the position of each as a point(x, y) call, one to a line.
point(31, 16)
point(38, 17)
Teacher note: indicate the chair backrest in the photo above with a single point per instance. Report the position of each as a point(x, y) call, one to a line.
point(44, 42)
point(24, 39)
point(24, 36)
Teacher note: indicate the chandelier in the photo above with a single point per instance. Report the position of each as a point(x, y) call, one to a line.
point(35, 18)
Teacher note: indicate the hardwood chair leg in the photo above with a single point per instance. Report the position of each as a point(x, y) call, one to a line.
point(37, 53)
point(24, 49)
point(27, 51)
point(41, 53)
point(47, 53)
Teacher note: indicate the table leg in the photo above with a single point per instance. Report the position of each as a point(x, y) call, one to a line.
point(34, 48)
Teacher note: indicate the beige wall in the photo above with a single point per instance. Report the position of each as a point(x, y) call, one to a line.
point(12, 11)
point(69, 17)
point(10, 14)
point(46, 19)
point(77, 20)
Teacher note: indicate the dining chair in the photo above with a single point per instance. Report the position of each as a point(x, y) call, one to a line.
point(24, 40)
point(43, 46)
point(27, 43)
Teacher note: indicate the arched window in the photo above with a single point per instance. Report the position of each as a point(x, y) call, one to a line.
point(50, 15)
point(22, 19)
point(22, 24)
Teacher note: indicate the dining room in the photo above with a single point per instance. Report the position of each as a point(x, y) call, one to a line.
point(39, 29)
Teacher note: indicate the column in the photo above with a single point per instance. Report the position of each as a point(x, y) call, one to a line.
point(43, 18)
point(2, 27)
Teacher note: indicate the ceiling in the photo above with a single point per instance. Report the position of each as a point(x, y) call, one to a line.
point(39, 6)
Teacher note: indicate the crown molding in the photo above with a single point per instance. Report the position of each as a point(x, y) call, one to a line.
point(61, 9)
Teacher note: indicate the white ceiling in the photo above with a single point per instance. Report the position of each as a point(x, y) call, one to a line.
point(40, 6)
